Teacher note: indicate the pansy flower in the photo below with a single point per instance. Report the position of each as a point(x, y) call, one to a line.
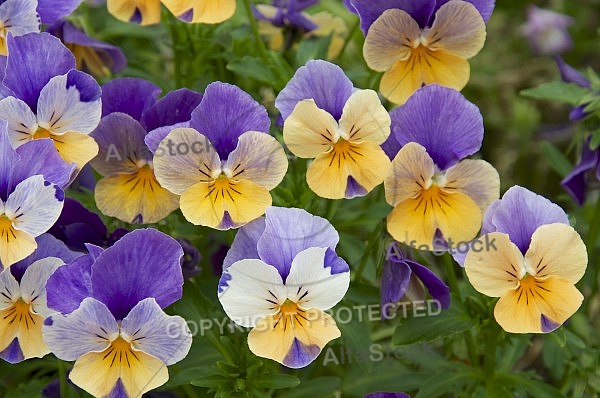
point(129, 190)
point(92, 56)
point(433, 189)
point(23, 300)
point(223, 167)
point(112, 323)
point(546, 31)
point(537, 259)
point(17, 17)
point(45, 97)
point(403, 277)
point(279, 277)
point(421, 42)
point(51, 10)
point(340, 127)
point(31, 195)
point(147, 12)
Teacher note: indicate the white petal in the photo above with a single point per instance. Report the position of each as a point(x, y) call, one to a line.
point(21, 15)
point(22, 123)
point(168, 338)
point(10, 290)
point(33, 283)
point(251, 290)
point(311, 282)
point(35, 205)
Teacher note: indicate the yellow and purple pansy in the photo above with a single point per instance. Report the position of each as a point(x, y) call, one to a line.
point(421, 42)
point(340, 127)
point(147, 12)
point(537, 259)
point(438, 196)
point(279, 277)
point(223, 167)
point(43, 96)
point(23, 304)
point(129, 189)
point(111, 321)
point(32, 178)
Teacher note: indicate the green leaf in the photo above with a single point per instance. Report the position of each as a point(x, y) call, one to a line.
point(276, 381)
point(556, 159)
point(319, 387)
point(253, 68)
point(444, 382)
point(569, 93)
point(526, 385)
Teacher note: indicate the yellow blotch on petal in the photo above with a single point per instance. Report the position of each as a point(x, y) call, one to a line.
point(146, 11)
point(15, 244)
point(135, 198)
point(72, 147)
point(98, 372)
point(203, 11)
point(20, 321)
point(224, 203)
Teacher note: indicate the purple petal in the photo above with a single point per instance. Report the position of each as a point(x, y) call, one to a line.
point(519, 213)
point(578, 113)
point(435, 286)
point(301, 354)
point(41, 157)
point(154, 137)
point(337, 264)
point(443, 121)
point(129, 95)
point(288, 231)
point(70, 284)
point(369, 10)
point(485, 7)
point(320, 80)
point(548, 325)
point(575, 181)
point(394, 282)
point(570, 74)
point(77, 226)
point(51, 10)
point(12, 353)
point(144, 263)
point(119, 390)
point(175, 107)
point(86, 85)
point(391, 147)
point(8, 160)
point(237, 113)
point(245, 242)
point(34, 59)
point(387, 395)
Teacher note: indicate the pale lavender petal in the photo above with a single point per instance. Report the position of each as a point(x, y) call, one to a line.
point(70, 285)
point(129, 95)
point(88, 328)
point(443, 121)
point(152, 331)
point(154, 137)
point(41, 157)
point(519, 213)
point(245, 242)
point(369, 10)
point(148, 266)
point(238, 113)
point(288, 231)
point(575, 182)
point(173, 108)
point(34, 59)
point(51, 10)
point(320, 80)
point(8, 160)
point(485, 7)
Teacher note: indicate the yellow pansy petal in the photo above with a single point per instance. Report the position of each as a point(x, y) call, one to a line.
point(334, 175)
point(224, 204)
point(15, 244)
point(30, 337)
point(98, 372)
point(329, 25)
point(446, 69)
point(259, 158)
point(390, 39)
point(201, 11)
point(135, 198)
point(309, 130)
point(557, 250)
point(458, 28)
point(9, 327)
point(477, 179)
point(293, 340)
point(494, 271)
point(416, 220)
point(75, 148)
point(411, 171)
point(398, 83)
point(144, 12)
point(365, 119)
point(537, 306)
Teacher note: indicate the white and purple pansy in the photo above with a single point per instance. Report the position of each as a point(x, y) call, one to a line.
point(279, 277)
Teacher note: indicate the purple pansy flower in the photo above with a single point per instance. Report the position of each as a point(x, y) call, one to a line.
point(287, 13)
point(23, 299)
point(32, 178)
point(112, 323)
point(279, 276)
point(223, 167)
point(92, 56)
point(51, 10)
point(131, 112)
point(387, 395)
point(399, 279)
point(546, 31)
point(17, 17)
point(588, 167)
point(45, 97)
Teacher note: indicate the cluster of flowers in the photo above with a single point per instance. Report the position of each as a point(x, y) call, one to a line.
point(102, 307)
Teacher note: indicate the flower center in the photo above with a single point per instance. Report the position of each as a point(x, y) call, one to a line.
point(343, 151)
point(528, 287)
point(289, 314)
point(222, 187)
point(20, 312)
point(7, 231)
point(42, 133)
point(119, 353)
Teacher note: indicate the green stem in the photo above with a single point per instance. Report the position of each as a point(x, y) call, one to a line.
point(62, 379)
point(259, 41)
point(592, 235)
point(176, 53)
point(349, 38)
